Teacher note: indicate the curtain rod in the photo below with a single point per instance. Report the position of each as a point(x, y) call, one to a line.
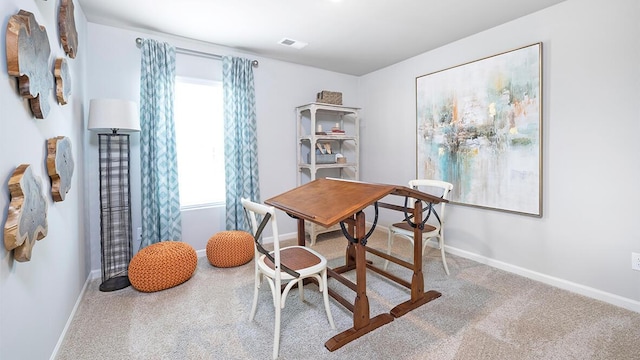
point(180, 50)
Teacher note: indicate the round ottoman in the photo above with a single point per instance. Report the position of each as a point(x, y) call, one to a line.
point(162, 265)
point(230, 248)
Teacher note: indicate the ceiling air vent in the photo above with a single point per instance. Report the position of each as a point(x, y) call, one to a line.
point(292, 43)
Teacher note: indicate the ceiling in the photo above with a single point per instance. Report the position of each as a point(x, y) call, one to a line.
point(347, 36)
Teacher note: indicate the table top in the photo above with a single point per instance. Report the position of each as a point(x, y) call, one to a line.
point(328, 201)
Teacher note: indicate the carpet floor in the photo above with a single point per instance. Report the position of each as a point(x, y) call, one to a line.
point(483, 313)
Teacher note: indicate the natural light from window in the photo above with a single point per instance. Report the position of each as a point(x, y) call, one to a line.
point(199, 142)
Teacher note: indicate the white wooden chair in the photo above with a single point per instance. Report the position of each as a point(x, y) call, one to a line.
point(283, 266)
point(434, 228)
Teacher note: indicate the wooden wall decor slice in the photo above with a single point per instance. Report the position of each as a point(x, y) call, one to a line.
point(63, 81)
point(27, 215)
point(67, 28)
point(60, 166)
point(28, 51)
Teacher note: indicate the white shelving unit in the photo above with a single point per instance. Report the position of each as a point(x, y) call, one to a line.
point(318, 117)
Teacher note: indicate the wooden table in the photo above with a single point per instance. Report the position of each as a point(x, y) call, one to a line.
point(330, 201)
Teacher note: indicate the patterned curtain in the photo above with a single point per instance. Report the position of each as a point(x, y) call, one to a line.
point(160, 197)
point(241, 145)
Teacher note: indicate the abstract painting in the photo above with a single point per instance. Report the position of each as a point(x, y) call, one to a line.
point(479, 127)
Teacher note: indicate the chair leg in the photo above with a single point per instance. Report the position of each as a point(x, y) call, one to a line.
point(440, 240)
point(276, 334)
point(256, 288)
point(301, 290)
point(325, 295)
point(444, 259)
point(389, 244)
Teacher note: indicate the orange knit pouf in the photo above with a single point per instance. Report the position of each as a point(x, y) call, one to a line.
point(162, 265)
point(230, 248)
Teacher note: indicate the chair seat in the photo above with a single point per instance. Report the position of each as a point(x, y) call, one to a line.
point(298, 258)
point(406, 227)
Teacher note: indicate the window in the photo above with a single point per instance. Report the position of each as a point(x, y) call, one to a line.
point(199, 142)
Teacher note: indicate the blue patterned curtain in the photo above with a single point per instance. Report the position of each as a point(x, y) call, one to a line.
point(160, 197)
point(241, 144)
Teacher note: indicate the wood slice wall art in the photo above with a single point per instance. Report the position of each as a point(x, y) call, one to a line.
point(60, 166)
point(63, 81)
point(27, 215)
point(67, 28)
point(28, 51)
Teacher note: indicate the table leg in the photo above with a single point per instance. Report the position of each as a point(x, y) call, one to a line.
point(301, 235)
point(362, 323)
point(350, 262)
point(418, 296)
point(417, 280)
point(350, 252)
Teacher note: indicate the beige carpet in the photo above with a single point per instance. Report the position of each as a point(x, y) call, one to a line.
point(484, 313)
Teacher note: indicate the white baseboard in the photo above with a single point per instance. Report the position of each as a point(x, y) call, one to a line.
point(91, 276)
point(613, 299)
point(590, 292)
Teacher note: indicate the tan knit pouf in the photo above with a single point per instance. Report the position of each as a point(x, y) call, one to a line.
point(162, 265)
point(230, 248)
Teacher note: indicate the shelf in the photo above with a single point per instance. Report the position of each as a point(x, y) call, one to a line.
point(339, 109)
point(311, 115)
point(327, 166)
point(327, 137)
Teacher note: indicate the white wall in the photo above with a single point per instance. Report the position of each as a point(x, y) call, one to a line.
point(36, 297)
point(591, 87)
point(114, 71)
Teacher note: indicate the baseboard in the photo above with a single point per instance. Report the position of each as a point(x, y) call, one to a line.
point(590, 292)
point(612, 299)
point(91, 276)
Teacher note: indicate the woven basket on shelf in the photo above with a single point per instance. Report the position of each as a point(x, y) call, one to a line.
point(329, 97)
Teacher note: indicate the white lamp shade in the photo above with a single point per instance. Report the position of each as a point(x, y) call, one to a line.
point(113, 114)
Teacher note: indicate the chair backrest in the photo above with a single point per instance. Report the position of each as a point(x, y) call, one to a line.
point(254, 209)
point(434, 187)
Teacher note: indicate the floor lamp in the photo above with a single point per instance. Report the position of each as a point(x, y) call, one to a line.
point(109, 117)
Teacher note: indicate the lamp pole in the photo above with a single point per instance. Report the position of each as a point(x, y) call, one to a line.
point(115, 210)
point(115, 190)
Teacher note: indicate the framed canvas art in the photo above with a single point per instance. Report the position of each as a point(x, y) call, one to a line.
point(479, 127)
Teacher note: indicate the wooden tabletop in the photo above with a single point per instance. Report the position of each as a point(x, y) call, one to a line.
point(328, 201)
